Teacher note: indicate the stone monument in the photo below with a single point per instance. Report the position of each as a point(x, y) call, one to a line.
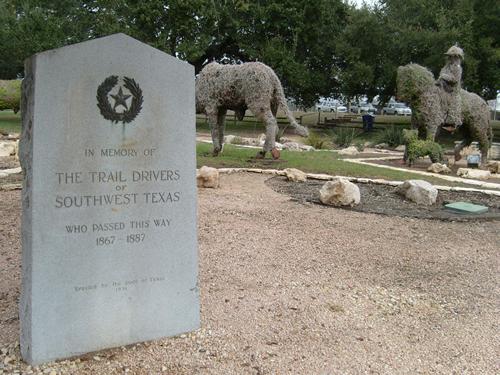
point(109, 199)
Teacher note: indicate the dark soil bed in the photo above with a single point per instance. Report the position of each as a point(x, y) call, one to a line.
point(423, 164)
point(382, 199)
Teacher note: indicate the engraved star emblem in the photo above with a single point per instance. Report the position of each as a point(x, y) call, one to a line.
point(120, 99)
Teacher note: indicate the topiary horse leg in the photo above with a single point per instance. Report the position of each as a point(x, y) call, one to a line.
point(266, 116)
point(214, 129)
point(221, 117)
point(484, 146)
point(458, 148)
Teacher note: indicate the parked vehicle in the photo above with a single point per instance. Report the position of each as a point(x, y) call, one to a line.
point(397, 109)
point(340, 108)
point(363, 107)
point(330, 105)
point(326, 104)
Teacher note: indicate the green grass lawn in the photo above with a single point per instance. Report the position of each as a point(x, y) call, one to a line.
point(10, 122)
point(312, 162)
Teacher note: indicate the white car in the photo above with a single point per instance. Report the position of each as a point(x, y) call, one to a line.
point(330, 105)
point(363, 108)
point(326, 104)
point(397, 109)
point(340, 109)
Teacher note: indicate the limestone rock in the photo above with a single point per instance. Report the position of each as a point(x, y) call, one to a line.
point(470, 150)
point(382, 145)
point(306, 148)
point(207, 177)
point(295, 175)
point(16, 149)
point(351, 150)
point(478, 174)
point(7, 148)
point(400, 148)
point(339, 192)
point(493, 166)
point(439, 168)
point(292, 146)
point(229, 138)
point(14, 136)
point(418, 191)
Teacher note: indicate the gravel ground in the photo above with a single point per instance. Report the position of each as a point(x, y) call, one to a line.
point(307, 289)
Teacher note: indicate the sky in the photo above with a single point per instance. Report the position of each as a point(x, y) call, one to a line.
point(358, 3)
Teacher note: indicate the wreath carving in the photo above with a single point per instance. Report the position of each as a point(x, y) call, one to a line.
point(107, 111)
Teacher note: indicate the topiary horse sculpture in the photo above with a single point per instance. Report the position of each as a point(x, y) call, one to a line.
point(416, 86)
point(252, 86)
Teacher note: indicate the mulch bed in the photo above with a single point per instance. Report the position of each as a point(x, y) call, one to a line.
point(382, 199)
point(423, 164)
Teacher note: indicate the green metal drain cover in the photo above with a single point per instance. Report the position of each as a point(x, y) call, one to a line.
point(466, 208)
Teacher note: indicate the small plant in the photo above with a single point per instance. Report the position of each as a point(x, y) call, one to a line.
point(280, 133)
point(344, 137)
point(318, 141)
point(417, 148)
point(393, 136)
point(360, 145)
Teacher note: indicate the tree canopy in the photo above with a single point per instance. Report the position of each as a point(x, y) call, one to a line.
point(320, 48)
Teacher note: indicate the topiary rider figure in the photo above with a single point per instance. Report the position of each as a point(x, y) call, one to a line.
point(450, 81)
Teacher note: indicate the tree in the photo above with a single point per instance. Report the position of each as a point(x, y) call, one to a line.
point(421, 31)
point(295, 37)
point(320, 48)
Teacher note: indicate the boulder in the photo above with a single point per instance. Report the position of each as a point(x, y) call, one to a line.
point(493, 166)
point(418, 191)
point(351, 150)
point(7, 148)
point(207, 177)
point(292, 146)
point(306, 148)
point(470, 150)
point(477, 174)
point(439, 168)
point(382, 145)
point(400, 148)
point(339, 192)
point(229, 138)
point(16, 152)
point(295, 175)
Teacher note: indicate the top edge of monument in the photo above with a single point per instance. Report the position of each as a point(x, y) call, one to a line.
point(122, 39)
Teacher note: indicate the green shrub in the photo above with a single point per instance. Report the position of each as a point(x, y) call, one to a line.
point(344, 137)
point(417, 148)
point(360, 145)
point(318, 141)
point(392, 135)
point(10, 95)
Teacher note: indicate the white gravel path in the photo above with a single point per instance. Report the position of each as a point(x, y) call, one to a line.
point(307, 289)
